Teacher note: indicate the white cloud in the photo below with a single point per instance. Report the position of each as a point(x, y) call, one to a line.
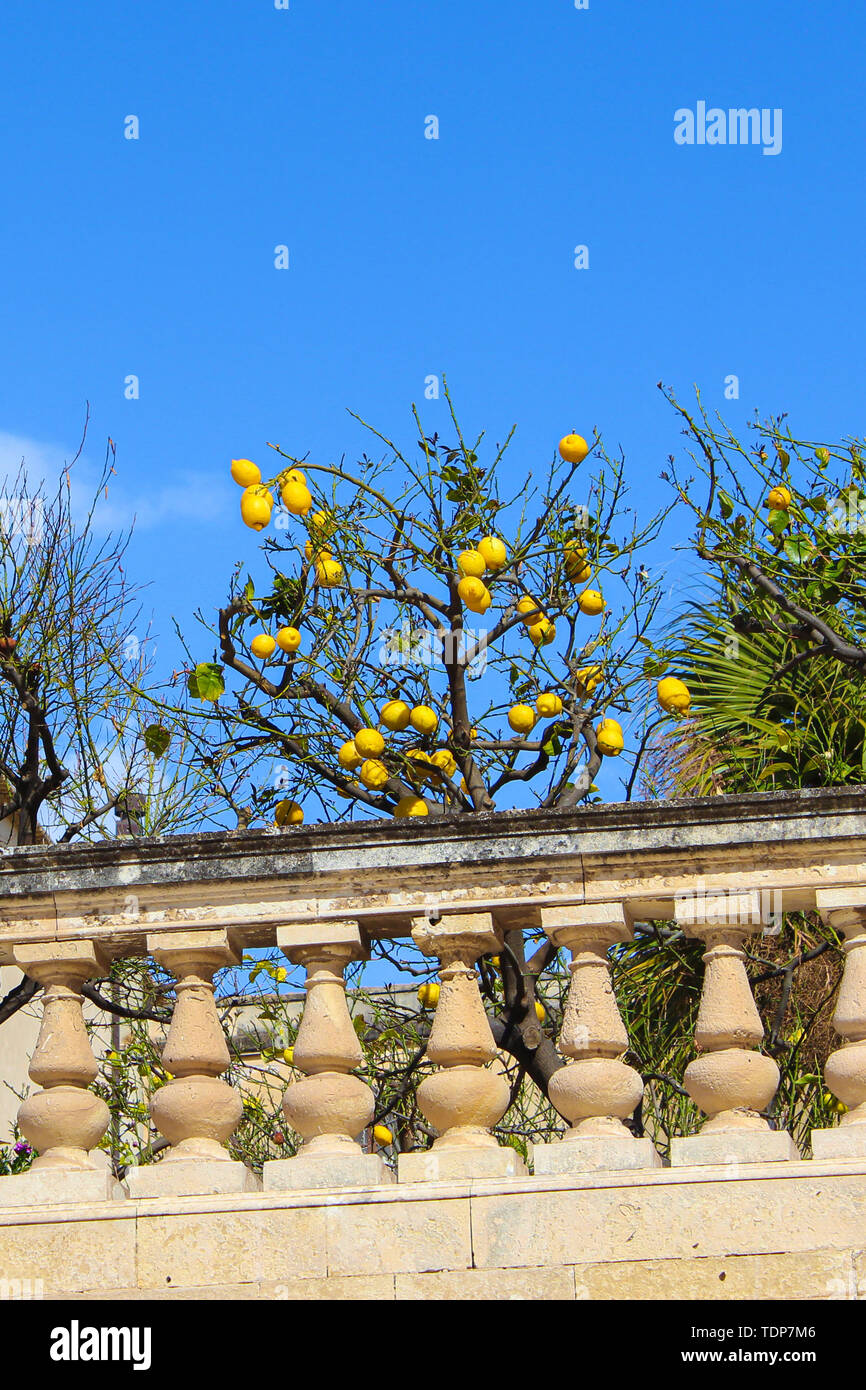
point(190, 496)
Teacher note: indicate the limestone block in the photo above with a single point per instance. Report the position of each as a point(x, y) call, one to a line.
point(398, 1237)
point(728, 1147)
point(197, 1249)
point(819, 1274)
point(448, 1164)
point(196, 1177)
point(76, 1253)
point(844, 1141)
point(307, 1170)
point(49, 1186)
point(499, 1285)
point(581, 1155)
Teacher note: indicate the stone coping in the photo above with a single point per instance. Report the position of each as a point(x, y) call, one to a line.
point(449, 1190)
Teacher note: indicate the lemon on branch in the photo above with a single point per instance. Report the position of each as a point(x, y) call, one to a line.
point(444, 759)
point(474, 594)
point(493, 552)
point(609, 738)
point(369, 743)
point(288, 813)
point(589, 677)
point(292, 475)
point(543, 632)
point(548, 704)
point(374, 774)
point(573, 448)
point(591, 603)
point(262, 645)
point(328, 573)
point(522, 718)
point(395, 715)
point(256, 506)
point(428, 995)
point(288, 639)
point(424, 720)
point(410, 806)
point(382, 1135)
point(245, 472)
point(297, 498)
point(530, 610)
point(349, 757)
point(673, 695)
point(779, 498)
point(471, 564)
point(576, 567)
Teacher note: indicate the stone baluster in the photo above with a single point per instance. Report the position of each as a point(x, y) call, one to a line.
point(196, 1111)
point(844, 909)
point(597, 1090)
point(466, 1098)
point(730, 1081)
point(329, 1107)
point(64, 1121)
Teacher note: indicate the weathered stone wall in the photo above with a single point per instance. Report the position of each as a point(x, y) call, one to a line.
point(776, 1231)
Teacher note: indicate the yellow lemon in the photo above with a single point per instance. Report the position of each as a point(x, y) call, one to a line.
point(609, 738)
point(428, 995)
point(382, 1135)
point(548, 704)
point(349, 757)
point(493, 551)
point(576, 566)
point(293, 475)
point(420, 764)
point(245, 472)
point(779, 498)
point(471, 563)
point(288, 639)
point(473, 593)
point(328, 573)
point(530, 610)
point(589, 677)
point(297, 498)
point(424, 719)
point(395, 715)
point(369, 743)
point(521, 718)
point(573, 448)
point(494, 960)
point(288, 813)
point(374, 774)
point(262, 644)
point(410, 806)
point(443, 758)
point(540, 1011)
point(674, 695)
point(256, 507)
point(543, 633)
point(591, 602)
point(289, 1055)
point(317, 551)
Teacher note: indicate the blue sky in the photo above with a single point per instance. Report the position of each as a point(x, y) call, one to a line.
point(409, 256)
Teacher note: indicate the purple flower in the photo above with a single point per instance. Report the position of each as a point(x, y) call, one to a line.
point(22, 1147)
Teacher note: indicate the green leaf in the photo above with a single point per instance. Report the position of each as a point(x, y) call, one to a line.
point(726, 506)
point(249, 589)
point(784, 456)
point(777, 521)
point(206, 681)
point(156, 739)
point(552, 747)
point(798, 549)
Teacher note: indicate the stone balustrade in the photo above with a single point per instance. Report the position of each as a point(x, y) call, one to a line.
point(322, 895)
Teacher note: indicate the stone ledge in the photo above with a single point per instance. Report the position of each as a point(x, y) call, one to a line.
point(444, 1190)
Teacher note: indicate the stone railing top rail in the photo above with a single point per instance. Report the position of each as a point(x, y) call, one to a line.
point(641, 854)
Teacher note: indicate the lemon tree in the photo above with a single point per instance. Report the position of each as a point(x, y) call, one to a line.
point(432, 632)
